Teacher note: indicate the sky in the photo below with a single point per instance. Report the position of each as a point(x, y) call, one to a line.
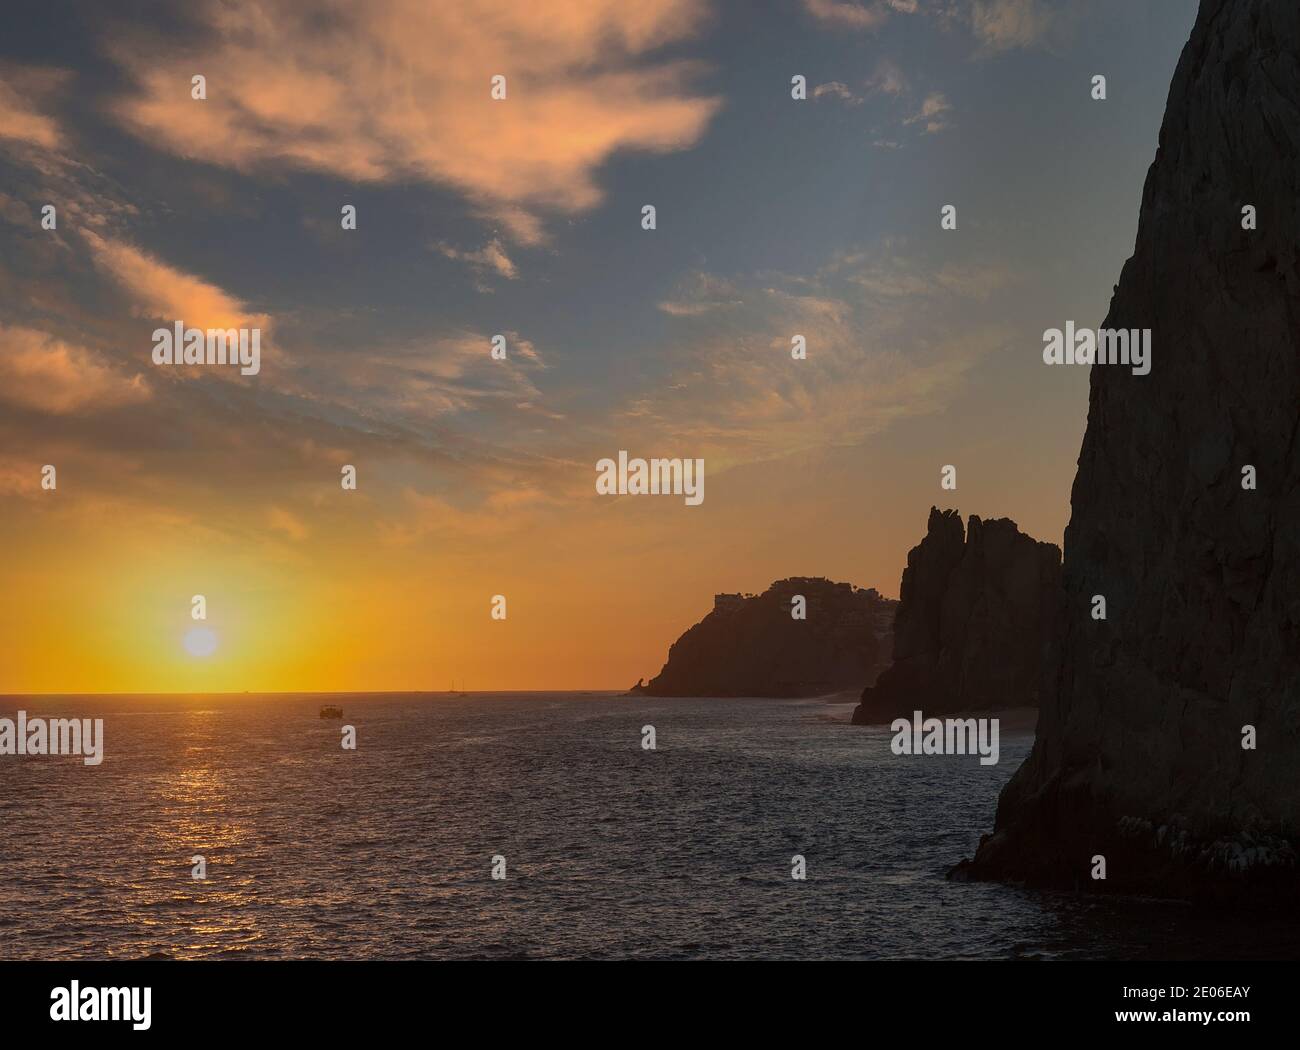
point(522, 216)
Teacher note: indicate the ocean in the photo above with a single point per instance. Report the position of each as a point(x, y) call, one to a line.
point(610, 850)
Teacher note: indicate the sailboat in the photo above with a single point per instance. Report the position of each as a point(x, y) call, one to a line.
point(452, 690)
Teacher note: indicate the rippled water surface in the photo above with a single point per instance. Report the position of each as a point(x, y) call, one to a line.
point(611, 850)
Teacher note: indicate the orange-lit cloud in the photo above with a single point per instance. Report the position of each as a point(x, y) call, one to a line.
point(163, 292)
point(286, 522)
point(506, 512)
point(997, 25)
point(400, 89)
point(933, 114)
point(1005, 24)
point(41, 372)
point(26, 94)
point(835, 89)
point(491, 258)
point(476, 475)
point(858, 14)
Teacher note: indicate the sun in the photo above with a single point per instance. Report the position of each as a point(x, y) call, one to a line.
point(200, 641)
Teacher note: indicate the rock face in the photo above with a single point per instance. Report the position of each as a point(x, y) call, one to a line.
point(977, 611)
point(752, 646)
point(1139, 754)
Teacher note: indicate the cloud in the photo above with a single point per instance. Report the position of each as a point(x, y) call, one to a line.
point(854, 14)
point(443, 376)
point(743, 399)
point(41, 372)
point(15, 211)
point(26, 92)
point(491, 258)
point(888, 78)
point(162, 292)
point(676, 308)
point(283, 521)
point(889, 270)
point(19, 480)
point(510, 510)
point(997, 25)
point(835, 89)
point(932, 115)
point(395, 90)
point(1001, 25)
point(699, 294)
point(889, 336)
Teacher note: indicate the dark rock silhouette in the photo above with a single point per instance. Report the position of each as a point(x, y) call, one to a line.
point(1139, 754)
point(751, 646)
point(977, 611)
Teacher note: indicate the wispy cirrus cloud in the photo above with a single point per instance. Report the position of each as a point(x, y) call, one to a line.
point(858, 14)
point(287, 523)
point(442, 376)
point(889, 335)
point(701, 293)
point(507, 511)
point(995, 25)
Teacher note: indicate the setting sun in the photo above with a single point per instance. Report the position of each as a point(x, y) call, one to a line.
point(200, 641)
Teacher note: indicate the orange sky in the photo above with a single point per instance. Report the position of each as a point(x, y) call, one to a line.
point(522, 217)
point(595, 594)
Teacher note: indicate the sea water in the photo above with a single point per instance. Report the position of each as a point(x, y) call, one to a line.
point(611, 850)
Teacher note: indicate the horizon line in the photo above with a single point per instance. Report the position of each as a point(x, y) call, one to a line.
point(313, 692)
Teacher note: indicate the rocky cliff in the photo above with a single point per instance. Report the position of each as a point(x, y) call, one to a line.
point(977, 609)
point(1170, 737)
point(753, 646)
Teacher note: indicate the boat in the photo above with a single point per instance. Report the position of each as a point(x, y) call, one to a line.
point(330, 711)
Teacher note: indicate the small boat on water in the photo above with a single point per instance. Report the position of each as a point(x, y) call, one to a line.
point(330, 711)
